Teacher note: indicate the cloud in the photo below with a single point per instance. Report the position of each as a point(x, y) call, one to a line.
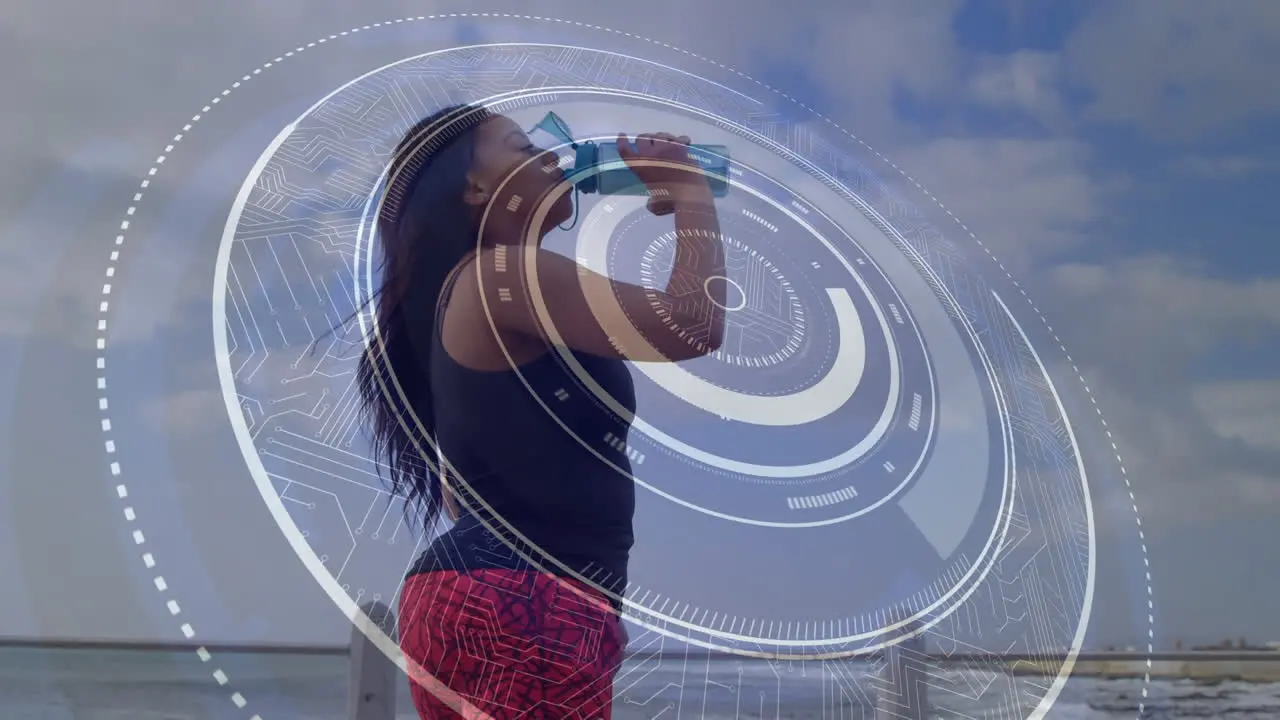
point(1139, 330)
point(1245, 410)
point(1179, 69)
point(1009, 142)
point(101, 97)
point(1192, 455)
point(1026, 81)
point(1154, 315)
point(1148, 332)
point(39, 265)
point(187, 411)
point(861, 55)
point(1024, 198)
point(1226, 166)
point(185, 57)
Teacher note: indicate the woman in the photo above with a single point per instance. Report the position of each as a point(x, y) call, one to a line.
point(515, 611)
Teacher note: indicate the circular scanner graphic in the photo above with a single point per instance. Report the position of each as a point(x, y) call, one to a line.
point(877, 445)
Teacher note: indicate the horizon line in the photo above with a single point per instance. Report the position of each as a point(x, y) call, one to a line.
point(330, 649)
point(64, 643)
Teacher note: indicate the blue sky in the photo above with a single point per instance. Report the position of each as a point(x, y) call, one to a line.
point(1120, 158)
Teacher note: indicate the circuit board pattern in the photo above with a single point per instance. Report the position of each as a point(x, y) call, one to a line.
point(1013, 579)
point(765, 324)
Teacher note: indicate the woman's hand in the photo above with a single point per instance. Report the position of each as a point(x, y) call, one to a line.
point(662, 162)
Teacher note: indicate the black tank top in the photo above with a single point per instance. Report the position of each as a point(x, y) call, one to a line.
point(532, 445)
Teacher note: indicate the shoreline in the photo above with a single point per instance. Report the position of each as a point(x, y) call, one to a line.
point(1202, 667)
point(176, 647)
point(1014, 659)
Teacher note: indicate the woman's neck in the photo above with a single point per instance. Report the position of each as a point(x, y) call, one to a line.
point(506, 229)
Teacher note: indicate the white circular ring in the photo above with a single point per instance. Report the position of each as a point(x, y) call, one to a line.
point(380, 639)
point(706, 288)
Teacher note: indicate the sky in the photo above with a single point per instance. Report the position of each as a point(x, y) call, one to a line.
point(1118, 157)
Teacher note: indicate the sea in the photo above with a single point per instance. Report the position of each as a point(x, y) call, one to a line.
point(64, 684)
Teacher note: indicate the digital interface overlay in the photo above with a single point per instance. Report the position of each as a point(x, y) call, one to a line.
point(879, 436)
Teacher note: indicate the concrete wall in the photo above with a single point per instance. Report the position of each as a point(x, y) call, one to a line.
point(1208, 670)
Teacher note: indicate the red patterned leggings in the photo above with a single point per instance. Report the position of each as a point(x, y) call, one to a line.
point(505, 644)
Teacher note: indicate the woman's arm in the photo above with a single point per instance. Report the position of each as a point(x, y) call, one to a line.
point(447, 497)
point(535, 292)
point(697, 284)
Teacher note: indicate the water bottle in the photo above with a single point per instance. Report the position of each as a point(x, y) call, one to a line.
point(613, 177)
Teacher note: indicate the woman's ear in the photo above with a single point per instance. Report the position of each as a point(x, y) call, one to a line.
point(477, 192)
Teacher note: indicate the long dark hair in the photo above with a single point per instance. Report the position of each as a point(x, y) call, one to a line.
point(426, 230)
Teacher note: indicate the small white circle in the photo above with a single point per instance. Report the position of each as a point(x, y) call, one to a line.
point(706, 287)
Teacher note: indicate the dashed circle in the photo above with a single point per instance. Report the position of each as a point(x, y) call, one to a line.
point(122, 492)
point(777, 344)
